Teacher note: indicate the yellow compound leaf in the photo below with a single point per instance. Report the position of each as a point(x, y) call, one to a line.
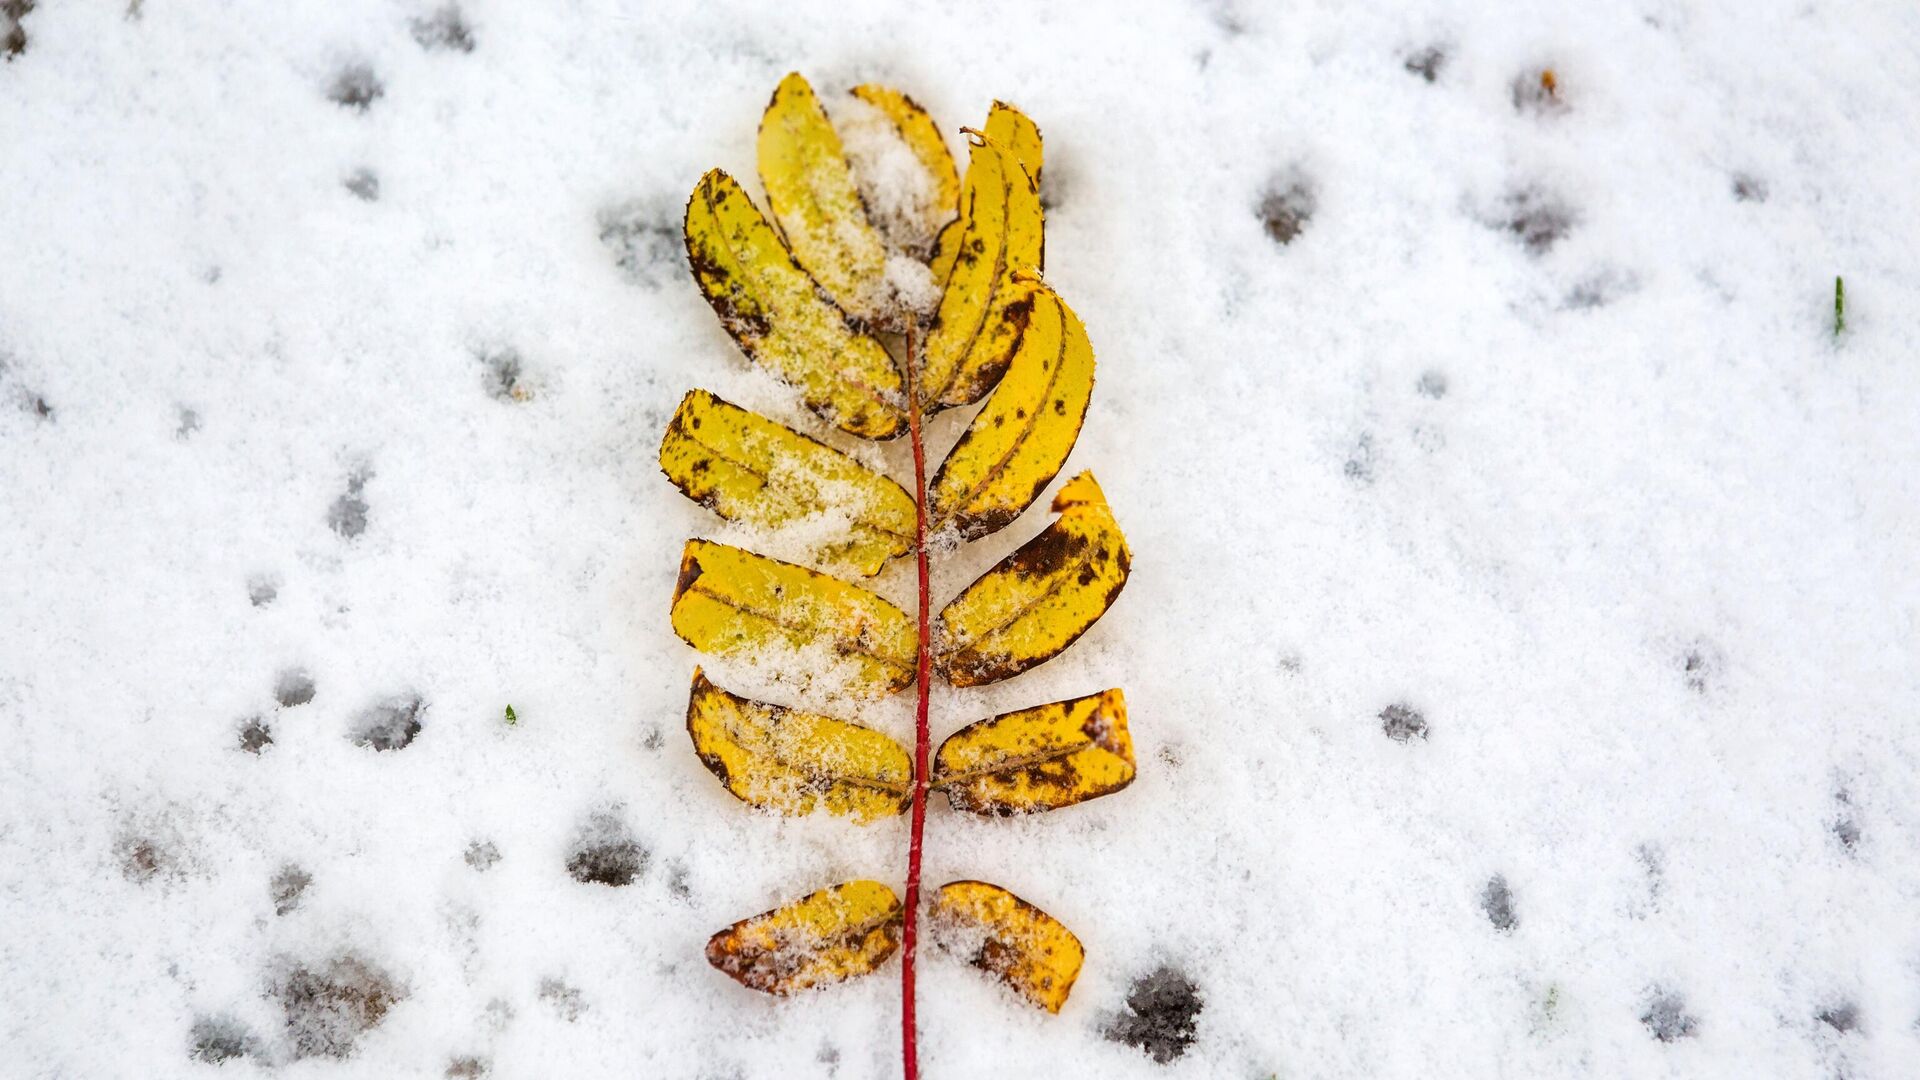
point(1001, 227)
point(1011, 128)
point(922, 136)
point(1005, 936)
point(1036, 759)
point(748, 468)
point(1041, 598)
point(780, 319)
point(1018, 441)
point(812, 194)
point(791, 762)
point(839, 933)
point(730, 601)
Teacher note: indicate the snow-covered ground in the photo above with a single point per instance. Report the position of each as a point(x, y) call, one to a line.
point(1523, 644)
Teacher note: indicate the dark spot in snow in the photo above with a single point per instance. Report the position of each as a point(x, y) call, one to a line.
point(1432, 384)
point(828, 1055)
point(255, 735)
point(1162, 1007)
point(1170, 755)
point(1535, 218)
point(654, 739)
point(504, 375)
point(1698, 666)
point(356, 87)
point(1653, 863)
point(289, 884)
point(1847, 831)
point(293, 687)
point(348, 514)
point(482, 855)
point(648, 243)
point(1749, 188)
point(1359, 466)
point(261, 590)
point(605, 852)
point(1427, 62)
point(1537, 91)
point(1285, 209)
point(390, 725)
point(1666, 1016)
point(364, 183)
point(13, 29)
point(445, 29)
point(1598, 290)
point(187, 422)
point(1843, 1017)
point(214, 1039)
point(566, 1001)
point(467, 1068)
point(1497, 901)
point(1052, 191)
point(142, 859)
point(327, 1007)
point(1403, 723)
point(679, 884)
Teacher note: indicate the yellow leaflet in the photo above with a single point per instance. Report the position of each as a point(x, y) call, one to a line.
point(1000, 235)
point(748, 468)
point(1039, 599)
point(1014, 447)
point(811, 192)
point(731, 601)
point(1010, 127)
point(825, 937)
point(780, 319)
point(922, 136)
point(946, 249)
point(790, 761)
point(1003, 935)
point(1042, 758)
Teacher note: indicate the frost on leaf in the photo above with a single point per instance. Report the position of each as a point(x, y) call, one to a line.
point(825, 937)
point(730, 601)
point(748, 468)
point(1008, 938)
point(790, 761)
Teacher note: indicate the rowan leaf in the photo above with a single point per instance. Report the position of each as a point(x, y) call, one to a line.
point(838, 933)
point(923, 137)
point(1017, 443)
point(729, 601)
point(812, 194)
point(1011, 128)
point(781, 320)
point(748, 468)
point(1000, 236)
point(1042, 758)
point(790, 761)
point(946, 249)
point(1040, 599)
point(1009, 938)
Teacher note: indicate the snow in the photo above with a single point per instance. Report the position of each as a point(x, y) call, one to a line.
point(336, 340)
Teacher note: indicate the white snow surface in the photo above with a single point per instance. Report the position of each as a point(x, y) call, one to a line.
point(1599, 495)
